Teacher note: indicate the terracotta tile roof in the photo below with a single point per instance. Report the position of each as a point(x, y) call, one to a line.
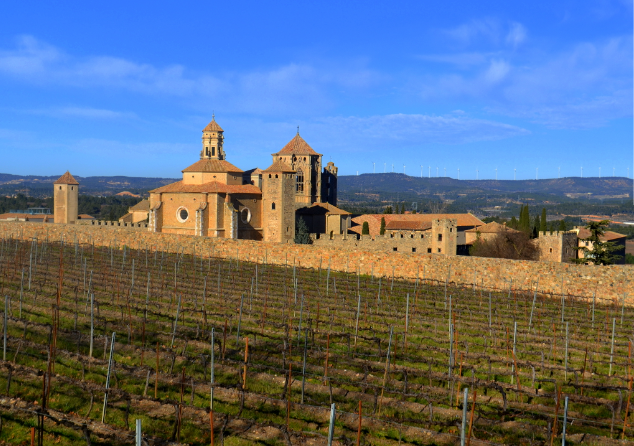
point(85, 217)
point(253, 171)
point(213, 126)
point(13, 215)
point(143, 205)
point(607, 237)
point(209, 188)
point(322, 208)
point(297, 146)
point(408, 225)
point(374, 220)
point(492, 228)
point(279, 166)
point(209, 165)
point(67, 178)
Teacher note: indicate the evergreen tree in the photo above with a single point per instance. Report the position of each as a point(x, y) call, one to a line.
point(543, 225)
point(366, 228)
point(302, 237)
point(402, 209)
point(514, 223)
point(597, 251)
point(382, 231)
point(562, 225)
point(536, 224)
point(388, 210)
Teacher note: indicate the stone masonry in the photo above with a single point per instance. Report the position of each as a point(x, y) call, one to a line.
point(609, 282)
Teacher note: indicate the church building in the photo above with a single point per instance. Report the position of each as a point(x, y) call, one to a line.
point(217, 199)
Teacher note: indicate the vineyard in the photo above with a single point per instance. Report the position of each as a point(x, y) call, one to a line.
point(206, 350)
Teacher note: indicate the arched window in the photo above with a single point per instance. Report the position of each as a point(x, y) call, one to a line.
point(299, 181)
point(273, 206)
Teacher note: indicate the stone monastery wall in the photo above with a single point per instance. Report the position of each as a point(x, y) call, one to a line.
point(609, 282)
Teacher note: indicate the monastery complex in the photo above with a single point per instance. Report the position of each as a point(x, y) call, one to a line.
point(219, 200)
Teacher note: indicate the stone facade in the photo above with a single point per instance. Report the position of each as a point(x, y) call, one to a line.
point(440, 238)
point(609, 282)
point(217, 199)
point(557, 246)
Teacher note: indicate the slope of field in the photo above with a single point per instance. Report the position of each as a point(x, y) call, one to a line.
point(287, 344)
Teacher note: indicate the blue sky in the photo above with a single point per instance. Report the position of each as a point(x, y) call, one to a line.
point(125, 88)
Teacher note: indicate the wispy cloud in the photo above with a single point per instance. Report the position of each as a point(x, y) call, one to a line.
point(489, 30)
point(84, 113)
point(405, 130)
point(585, 86)
point(289, 87)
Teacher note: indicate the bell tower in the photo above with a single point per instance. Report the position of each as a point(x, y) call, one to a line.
point(213, 139)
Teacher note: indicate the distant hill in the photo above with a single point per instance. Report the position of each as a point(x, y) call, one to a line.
point(392, 183)
point(370, 185)
point(43, 185)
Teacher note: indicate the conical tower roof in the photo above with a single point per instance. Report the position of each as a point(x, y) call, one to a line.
point(297, 146)
point(67, 178)
point(213, 126)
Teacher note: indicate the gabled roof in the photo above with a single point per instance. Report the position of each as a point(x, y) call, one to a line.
point(211, 165)
point(322, 209)
point(209, 188)
point(492, 228)
point(374, 220)
point(408, 225)
point(213, 126)
point(143, 205)
point(255, 171)
point(297, 146)
point(608, 236)
point(67, 178)
point(279, 166)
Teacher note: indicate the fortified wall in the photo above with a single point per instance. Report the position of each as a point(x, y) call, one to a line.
point(440, 239)
point(609, 282)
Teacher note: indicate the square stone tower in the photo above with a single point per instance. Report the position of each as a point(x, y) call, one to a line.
point(278, 203)
point(65, 198)
point(444, 236)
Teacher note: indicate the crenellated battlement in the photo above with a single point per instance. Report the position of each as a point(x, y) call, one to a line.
point(557, 234)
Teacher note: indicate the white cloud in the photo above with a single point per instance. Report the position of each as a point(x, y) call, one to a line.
point(287, 88)
point(516, 35)
point(403, 130)
point(490, 30)
point(84, 113)
point(585, 86)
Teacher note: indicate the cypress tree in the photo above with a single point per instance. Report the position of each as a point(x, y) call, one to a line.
point(366, 228)
point(402, 209)
point(542, 223)
point(562, 225)
point(382, 231)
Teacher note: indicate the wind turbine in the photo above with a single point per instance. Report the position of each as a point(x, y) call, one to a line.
point(445, 171)
point(373, 167)
point(599, 172)
point(536, 173)
point(581, 171)
point(392, 168)
point(458, 172)
point(496, 174)
point(421, 171)
point(613, 171)
point(436, 172)
point(477, 173)
point(403, 169)
point(559, 172)
point(514, 174)
point(429, 171)
point(384, 167)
